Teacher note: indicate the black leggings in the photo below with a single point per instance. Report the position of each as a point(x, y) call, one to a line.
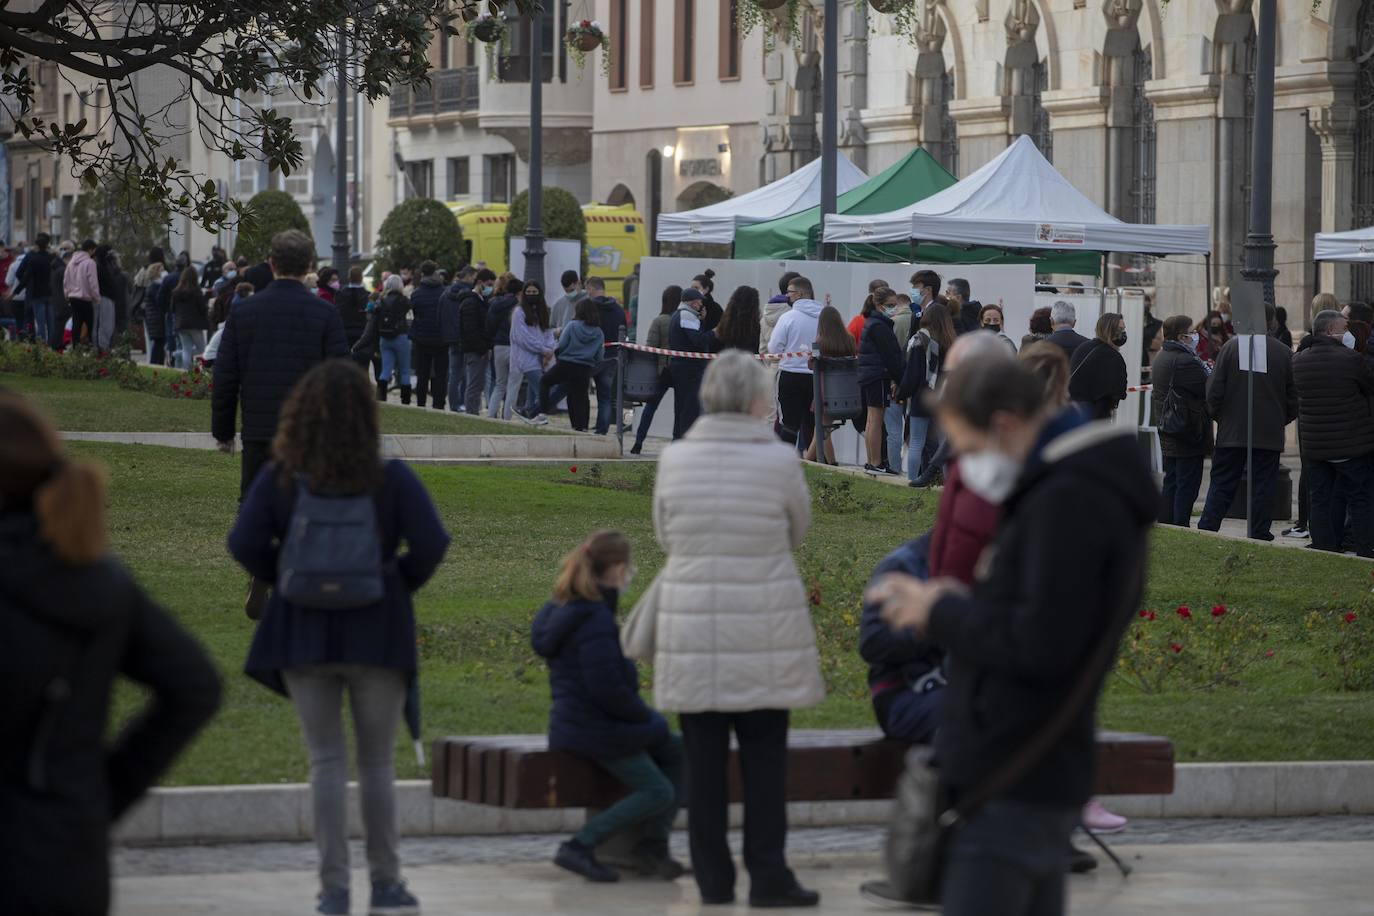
point(795, 393)
point(574, 377)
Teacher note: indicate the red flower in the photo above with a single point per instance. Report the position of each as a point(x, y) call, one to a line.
point(1349, 617)
point(1152, 616)
point(189, 394)
point(1145, 614)
point(814, 596)
point(1184, 612)
point(573, 469)
point(1269, 654)
point(103, 371)
point(1177, 647)
point(1218, 610)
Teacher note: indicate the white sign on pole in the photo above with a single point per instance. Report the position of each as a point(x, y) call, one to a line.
point(559, 255)
point(1261, 354)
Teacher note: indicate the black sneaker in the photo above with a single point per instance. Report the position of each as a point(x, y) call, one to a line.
point(636, 448)
point(1080, 860)
point(874, 469)
point(653, 860)
point(794, 897)
point(580, 860)
point(333, 902)
point(390, 898)
point(1297, 531)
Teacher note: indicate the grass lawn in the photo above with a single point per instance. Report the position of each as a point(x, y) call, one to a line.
point(99, 406)
point(170, 510)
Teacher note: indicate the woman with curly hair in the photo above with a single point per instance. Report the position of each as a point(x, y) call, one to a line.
point(327, 445)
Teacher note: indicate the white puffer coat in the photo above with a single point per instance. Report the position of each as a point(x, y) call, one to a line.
point(733, 630)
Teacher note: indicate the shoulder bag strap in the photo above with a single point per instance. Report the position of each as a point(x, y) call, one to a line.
point(1086, 359)
point(1039, 744)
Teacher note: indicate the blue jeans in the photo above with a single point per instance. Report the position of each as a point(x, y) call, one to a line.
point(457, 378)
point(396, 357)
point(894, 421)
point(910, 715)
point(1353, 477)
point(532, 379)
point(654, 777)
point(605, 396)
point(41, 330)
point(1009, 858)
point(1182, 480)
point(915, 446)
point(192, 344)
point(170, 333)
point(1228, 467)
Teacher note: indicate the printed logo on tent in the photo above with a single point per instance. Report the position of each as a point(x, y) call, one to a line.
point(1060, 233)
point(866, 230)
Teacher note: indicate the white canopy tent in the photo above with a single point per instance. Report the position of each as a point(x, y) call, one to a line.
point(717, 223)
point(1019, 202)
point(1355, 245)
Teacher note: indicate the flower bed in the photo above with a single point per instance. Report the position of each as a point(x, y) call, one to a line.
point(88, 364)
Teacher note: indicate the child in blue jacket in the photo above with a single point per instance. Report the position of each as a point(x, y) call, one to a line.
point(597, 712)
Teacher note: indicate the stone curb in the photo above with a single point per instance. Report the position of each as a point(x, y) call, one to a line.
point(221, 814)
point(417, 447)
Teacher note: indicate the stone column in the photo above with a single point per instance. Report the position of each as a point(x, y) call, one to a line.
point(1335, 127)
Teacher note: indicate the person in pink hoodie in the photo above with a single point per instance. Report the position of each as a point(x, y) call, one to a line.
point(82, 290)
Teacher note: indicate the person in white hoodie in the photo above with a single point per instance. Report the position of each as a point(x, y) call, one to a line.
point(795, 332)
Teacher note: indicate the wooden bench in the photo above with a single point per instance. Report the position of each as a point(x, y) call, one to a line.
point(519, 771)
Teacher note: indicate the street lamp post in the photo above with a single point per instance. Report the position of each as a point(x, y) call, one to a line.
point(340, 244)
point(1259, 239)
point(829, 112)
point(534, 229)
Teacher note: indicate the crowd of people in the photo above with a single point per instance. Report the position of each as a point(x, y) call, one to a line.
point(955, 621)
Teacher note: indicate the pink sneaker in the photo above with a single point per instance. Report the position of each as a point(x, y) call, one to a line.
point(1099, 820)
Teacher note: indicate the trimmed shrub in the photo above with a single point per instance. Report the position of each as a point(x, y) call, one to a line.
point(562, 218)
point(270, 212)
point(420, 229)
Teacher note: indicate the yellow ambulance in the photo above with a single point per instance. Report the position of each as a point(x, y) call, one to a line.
point(615, 237)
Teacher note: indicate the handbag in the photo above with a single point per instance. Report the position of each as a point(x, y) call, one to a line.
point(1174, 416)
point(638, 635)
point(922, 820)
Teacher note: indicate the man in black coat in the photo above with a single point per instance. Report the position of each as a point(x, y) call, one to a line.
point(428, 353)
point(451, 332)
point(475, 344)
point(1063, 318)
point(964, 307)
point(1276, 405)
point(1028, 637)
point(260, 275)
point(1336, 431)
point(687, 332)
point(612, 320)
point(270, 340)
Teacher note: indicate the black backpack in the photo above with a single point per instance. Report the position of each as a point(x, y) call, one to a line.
point(331, 555)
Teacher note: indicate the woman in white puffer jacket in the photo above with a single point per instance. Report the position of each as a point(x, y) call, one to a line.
point(734, 644)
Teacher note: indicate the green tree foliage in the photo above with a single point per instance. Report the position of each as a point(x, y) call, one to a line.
point(270, 212)
point(562, 218)
point(420, 229)
point(124, 219)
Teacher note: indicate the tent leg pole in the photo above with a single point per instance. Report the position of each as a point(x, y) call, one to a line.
point(817, 402)
point(914, 243)
point(1207, 293)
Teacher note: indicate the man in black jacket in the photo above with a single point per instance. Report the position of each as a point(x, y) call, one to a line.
point(1029, 643)
point(428, 353)
point(476, 346)
point(1276, 405)
point(1063, 318)
point(34, 282)
point(612, 320)
point(964, 307)
point(1336, 431)
point(451, 331)
point(686, 332)
point(270, 340)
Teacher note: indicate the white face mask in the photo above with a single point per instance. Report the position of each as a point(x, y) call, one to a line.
point(1349, 340)
point(1192, 341)
point(990, 474)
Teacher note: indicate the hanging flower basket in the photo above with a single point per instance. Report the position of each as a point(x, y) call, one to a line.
point(773, 15)
point(887, 6)
point(904, 15)
point(584, 37)
point(487, 29)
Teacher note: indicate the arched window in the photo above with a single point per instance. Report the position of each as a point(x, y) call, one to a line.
point(620, 196)
point(1362, 275)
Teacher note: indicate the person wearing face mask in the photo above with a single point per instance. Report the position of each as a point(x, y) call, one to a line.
point(795, 332)
point(1065, 490)
point(1097, 370)
point(711, 310)
point(966, 310)
point(1336, 432)
point(687, 332)
point(1212, 337)
point(992, 318)
point(925, 287)
point(1276, 405)
point(1185, 430)
point(880, 369)
point(476, 345)
point(429, 353)
point(597, 712)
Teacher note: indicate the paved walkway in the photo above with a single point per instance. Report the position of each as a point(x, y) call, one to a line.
point(1311, 866)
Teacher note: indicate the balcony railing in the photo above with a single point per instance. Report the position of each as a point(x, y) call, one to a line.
point(448, 92)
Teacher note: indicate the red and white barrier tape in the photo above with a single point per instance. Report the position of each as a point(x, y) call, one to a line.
point(1141, 388)
point(689, 354)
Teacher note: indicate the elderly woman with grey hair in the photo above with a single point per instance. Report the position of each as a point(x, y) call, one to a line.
point(388, 328)
point(734, 646)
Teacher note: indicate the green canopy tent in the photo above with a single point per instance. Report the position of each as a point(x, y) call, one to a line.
point(915, 177)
